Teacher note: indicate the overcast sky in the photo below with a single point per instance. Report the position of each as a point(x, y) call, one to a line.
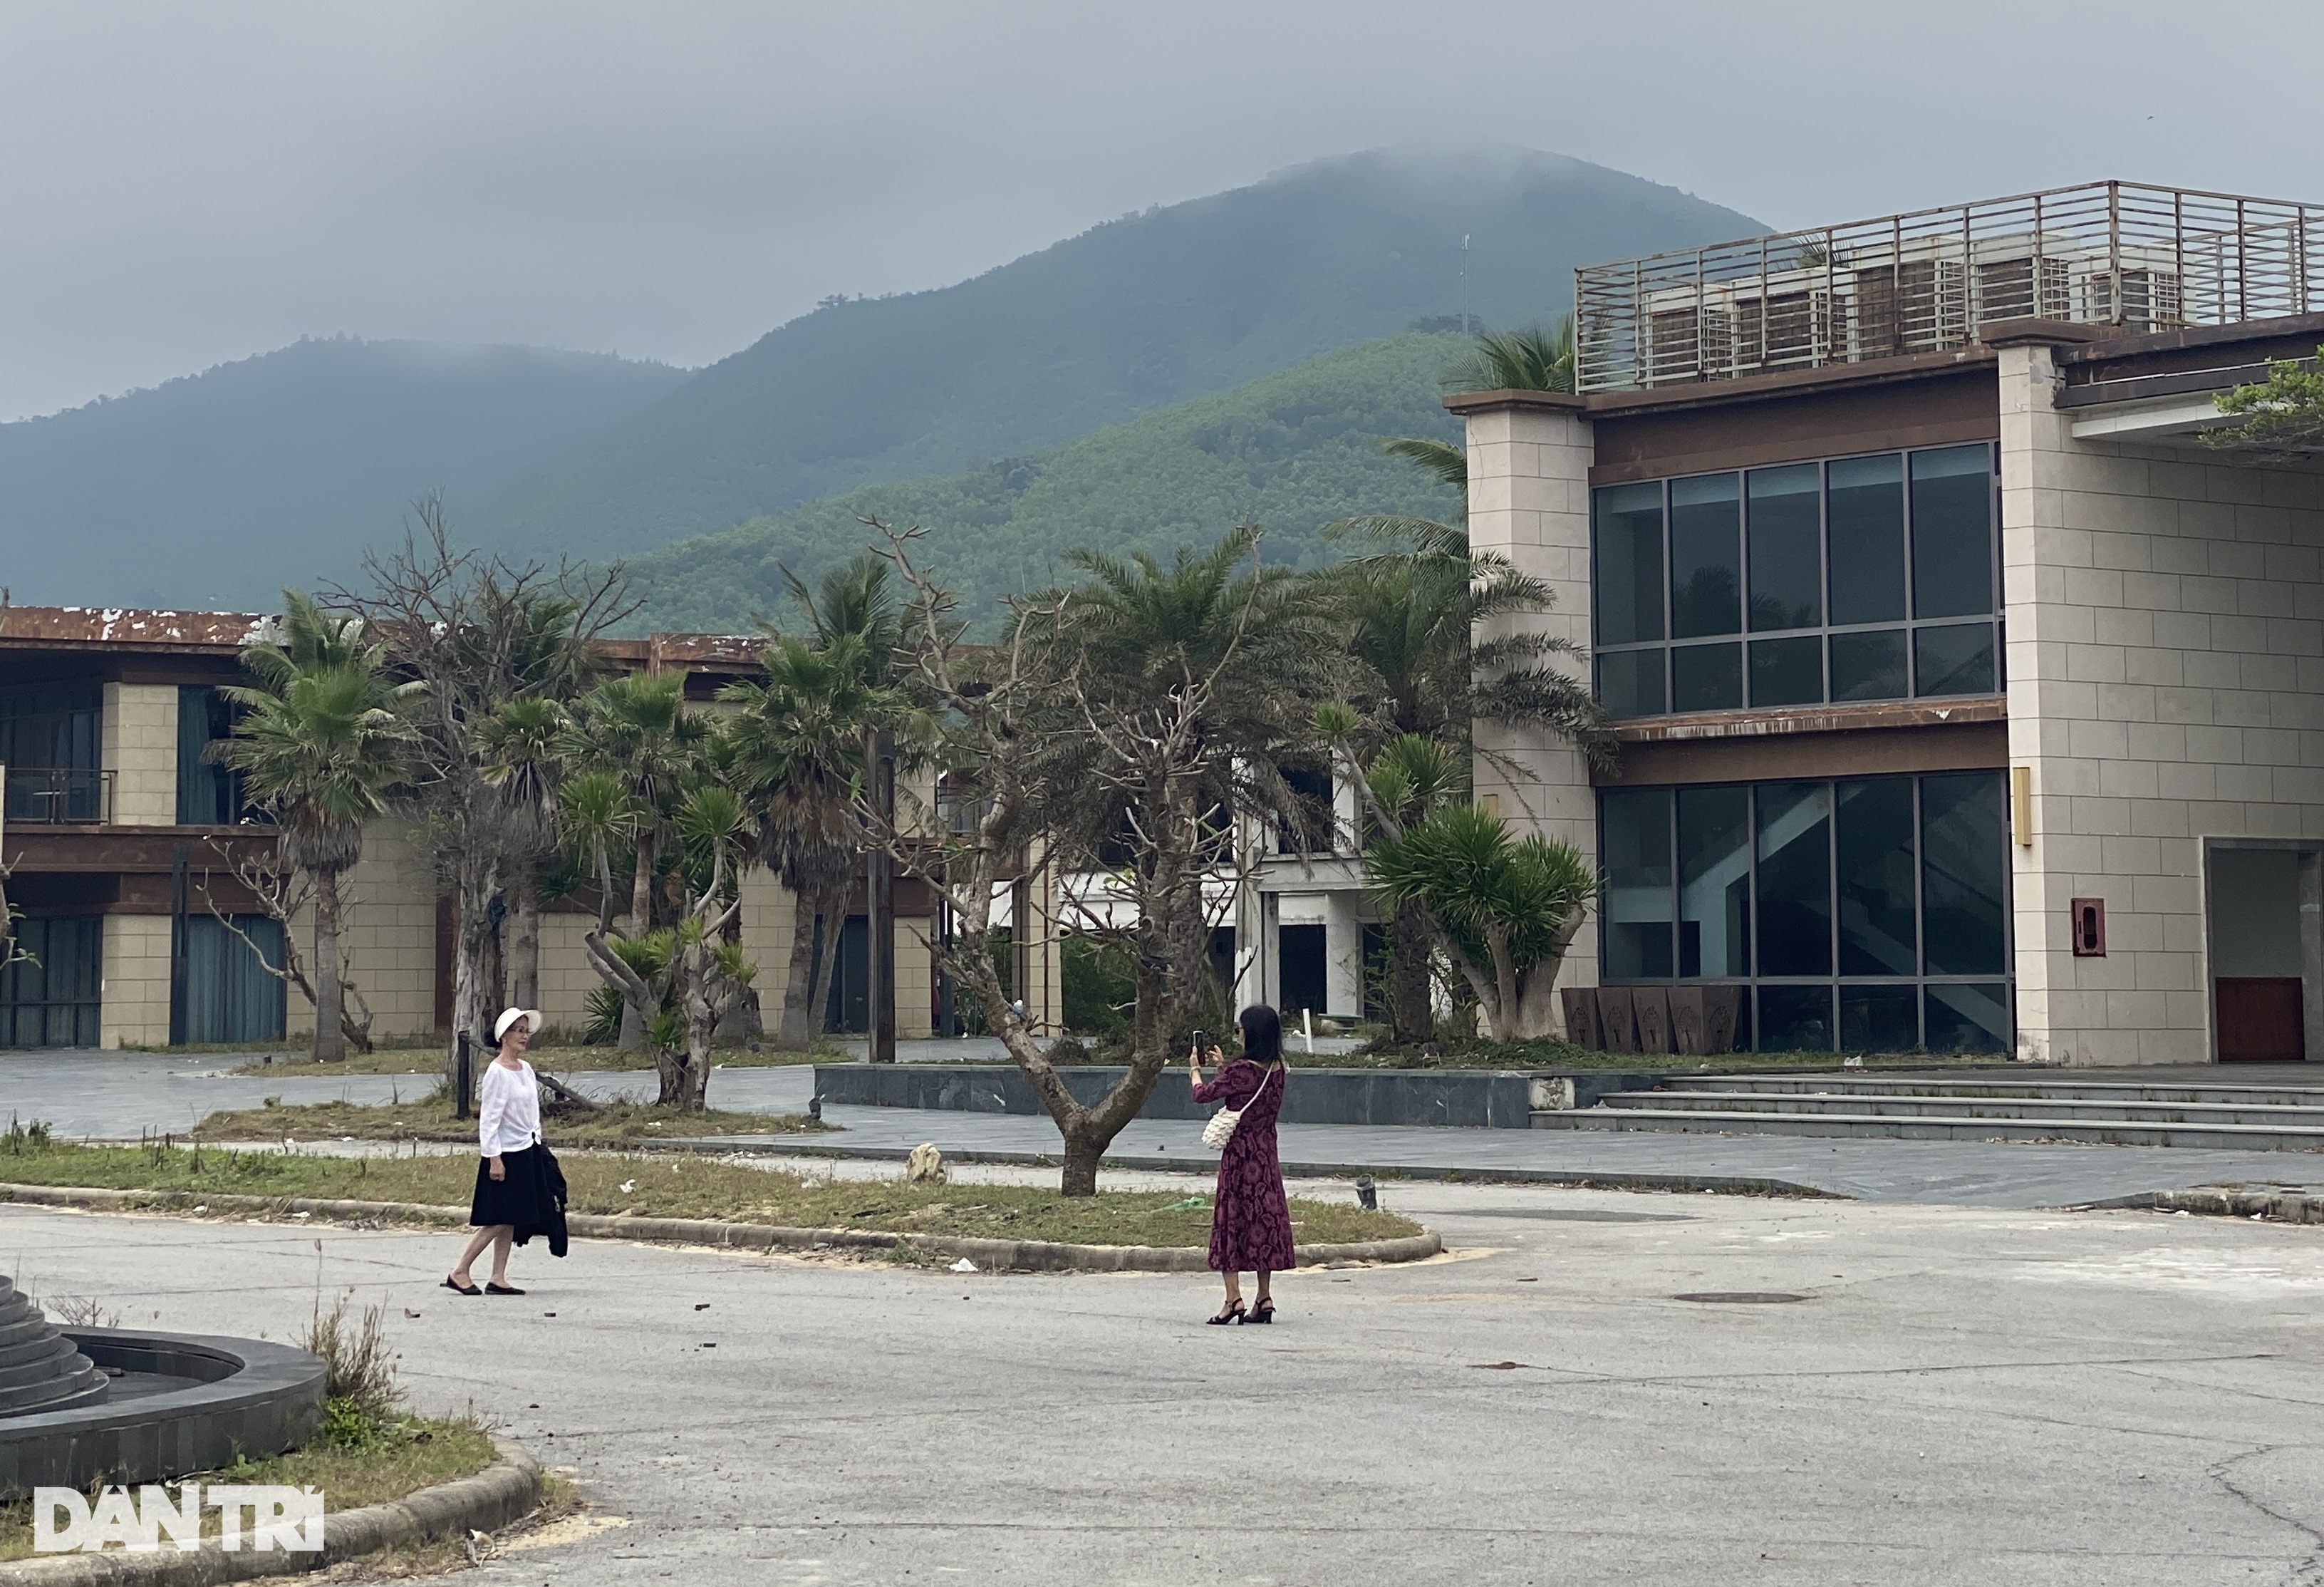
point(187, 184)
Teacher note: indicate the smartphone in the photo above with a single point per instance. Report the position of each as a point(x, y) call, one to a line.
point(1202, 1045)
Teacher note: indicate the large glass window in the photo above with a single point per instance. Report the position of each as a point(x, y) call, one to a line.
point(1629, 571)
point(52, 995)
point(1867, 539)
point(1637, 908)
point(1706, 530)
point(1866, 914)
point(1859, 578)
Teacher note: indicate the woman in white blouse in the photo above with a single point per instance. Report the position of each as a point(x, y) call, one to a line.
point(510, 1180)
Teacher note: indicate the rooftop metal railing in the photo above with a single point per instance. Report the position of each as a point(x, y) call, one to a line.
point(2119, 253)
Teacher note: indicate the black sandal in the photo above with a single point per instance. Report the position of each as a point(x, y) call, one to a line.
point(1233, 1313)
point(457, 1289)
point(1263, 1312)
point(503, 1289)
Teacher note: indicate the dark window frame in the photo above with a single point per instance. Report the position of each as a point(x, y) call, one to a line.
point(1908, 626)
point(1834, 983)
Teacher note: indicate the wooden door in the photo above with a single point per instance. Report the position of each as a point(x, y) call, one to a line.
point(2260, 1020)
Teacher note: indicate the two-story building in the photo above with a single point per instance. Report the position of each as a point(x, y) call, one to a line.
point(1967, 699)
point(122, 837)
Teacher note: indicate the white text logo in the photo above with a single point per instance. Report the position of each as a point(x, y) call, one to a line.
point(291, 1519)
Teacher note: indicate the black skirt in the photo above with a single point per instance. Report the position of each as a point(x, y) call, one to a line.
point(531, 1194)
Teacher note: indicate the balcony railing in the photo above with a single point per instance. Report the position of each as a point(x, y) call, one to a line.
point(59, 797)
point(2115, 254)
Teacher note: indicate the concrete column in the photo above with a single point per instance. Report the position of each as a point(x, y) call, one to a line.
point(138, 743)
point(135, 971)
point(1530, 458)
point(1343, 955)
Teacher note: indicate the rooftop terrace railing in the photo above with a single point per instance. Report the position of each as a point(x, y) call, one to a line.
point(2117, 253)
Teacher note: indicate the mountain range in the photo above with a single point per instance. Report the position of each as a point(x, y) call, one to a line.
point(219, 488)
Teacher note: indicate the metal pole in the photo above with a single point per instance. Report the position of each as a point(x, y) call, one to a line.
point(462, 1075)
point(879, 907)
point(178, 951)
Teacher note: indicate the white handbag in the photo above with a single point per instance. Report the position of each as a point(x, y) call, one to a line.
point(1222, 1127)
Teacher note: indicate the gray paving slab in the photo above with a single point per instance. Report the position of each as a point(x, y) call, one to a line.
point(115, 1095)
point(1965, 1397)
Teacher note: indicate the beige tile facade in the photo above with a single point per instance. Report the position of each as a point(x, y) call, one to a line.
point(1529, 501)
point(139, 746)
point(2166, 686)
point(136, 982)
point(387, 933)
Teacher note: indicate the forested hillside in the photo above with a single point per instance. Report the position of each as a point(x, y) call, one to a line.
point(1133, 316)
point(1292, 452)
point(218, 489)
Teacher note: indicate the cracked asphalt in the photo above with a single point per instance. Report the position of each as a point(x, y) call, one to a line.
point(1963, 1396)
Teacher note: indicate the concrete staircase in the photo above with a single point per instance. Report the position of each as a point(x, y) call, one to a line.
point(40, 1369)
point(2257, 1118)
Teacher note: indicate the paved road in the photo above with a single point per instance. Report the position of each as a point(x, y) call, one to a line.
point(1968, 1397)
point(114, 1095)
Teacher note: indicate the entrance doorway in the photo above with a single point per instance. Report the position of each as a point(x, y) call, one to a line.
point(2261, 951)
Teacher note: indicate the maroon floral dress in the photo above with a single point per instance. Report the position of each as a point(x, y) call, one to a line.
point(1250, 1223)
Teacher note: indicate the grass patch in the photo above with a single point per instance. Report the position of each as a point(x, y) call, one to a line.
point(1558, 1055)
point(554, 1058)
point(685, 1186)
point(431, 1119)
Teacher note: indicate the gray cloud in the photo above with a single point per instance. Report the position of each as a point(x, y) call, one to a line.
point(187, 185)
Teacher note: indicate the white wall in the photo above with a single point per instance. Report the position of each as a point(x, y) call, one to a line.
point(2165, 614)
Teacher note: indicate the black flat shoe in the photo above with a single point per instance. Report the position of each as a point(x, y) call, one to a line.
point(1233, 1313)
point(503, 1289)
point(456, 1289)
point(1263, 1312)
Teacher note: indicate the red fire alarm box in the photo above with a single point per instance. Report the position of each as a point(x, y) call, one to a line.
point(2090, 928)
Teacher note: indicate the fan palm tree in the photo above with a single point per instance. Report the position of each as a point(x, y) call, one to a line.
point(796, 749)
point(321, 745)
point(638, 730)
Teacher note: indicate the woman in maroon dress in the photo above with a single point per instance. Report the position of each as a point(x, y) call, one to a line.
point(1251, 1221)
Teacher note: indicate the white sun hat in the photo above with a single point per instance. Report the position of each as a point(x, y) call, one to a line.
point(531, 1017)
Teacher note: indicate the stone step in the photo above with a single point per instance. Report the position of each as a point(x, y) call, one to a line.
point(2068, 1110)
point(41, 1368)
point(2060, 1090)
point(1874, 1126)
point(81, 1380)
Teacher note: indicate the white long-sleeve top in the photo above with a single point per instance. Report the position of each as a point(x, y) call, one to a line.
point(508, 1110)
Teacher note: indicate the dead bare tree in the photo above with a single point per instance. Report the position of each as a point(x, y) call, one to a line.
point(1088, 728)
point(280, 893)
point(481, 632)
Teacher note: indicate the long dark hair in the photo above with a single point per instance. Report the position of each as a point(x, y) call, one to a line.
point(1262, 1034)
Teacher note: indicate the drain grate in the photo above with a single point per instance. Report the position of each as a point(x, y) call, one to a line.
point(1742, 1297)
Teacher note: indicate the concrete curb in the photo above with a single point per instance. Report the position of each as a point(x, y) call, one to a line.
point(506, 1491)
point(2222, 1201)
point(1039, 1256)
point(763, 1146)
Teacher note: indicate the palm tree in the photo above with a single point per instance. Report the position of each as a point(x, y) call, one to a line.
point(1533, 359)
point(1506, 907)
point(797, 749)
point(522, 746)
point(638, 730)
point(320, 745)
point(1410, 614)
